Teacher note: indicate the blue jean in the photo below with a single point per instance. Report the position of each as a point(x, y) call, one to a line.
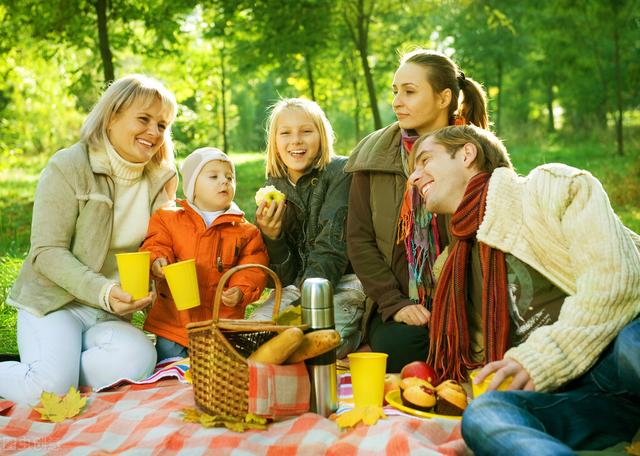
point(593, 412)
point(166, 348)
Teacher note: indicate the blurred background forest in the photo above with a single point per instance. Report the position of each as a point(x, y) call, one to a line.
point(550, 67)
point(563, 78)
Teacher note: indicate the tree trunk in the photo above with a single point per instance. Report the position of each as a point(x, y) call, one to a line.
point(359, 35)
point(223, 96)
point(616, 50)
point(356, 116)
point(377, 121)
point(312, 84)
point(551, 125)
point(499, 99)
point(103, 38)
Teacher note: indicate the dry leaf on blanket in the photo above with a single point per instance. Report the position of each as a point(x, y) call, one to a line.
point(57, 409)
point(633, 449)
point(369, 415)
point(231, 423)
point(292, 315)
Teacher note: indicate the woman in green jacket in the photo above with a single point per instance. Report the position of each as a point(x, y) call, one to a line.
point(392, 242)
point(306, 234)
point(93, 200)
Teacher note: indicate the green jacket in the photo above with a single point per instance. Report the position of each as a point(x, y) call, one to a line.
point(379, 155)
point(376, 198)
point(71, 229)
point(313, 239)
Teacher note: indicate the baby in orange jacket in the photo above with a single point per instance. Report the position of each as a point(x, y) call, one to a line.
point(209, 227)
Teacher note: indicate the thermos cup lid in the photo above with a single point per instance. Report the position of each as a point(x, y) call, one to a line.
point(317, 293)
point(317, 304)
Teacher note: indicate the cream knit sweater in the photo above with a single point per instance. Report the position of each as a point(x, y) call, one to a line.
point(130, 218)
point(558, 220)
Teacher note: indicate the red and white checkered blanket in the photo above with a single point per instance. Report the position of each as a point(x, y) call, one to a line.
point(146, 419)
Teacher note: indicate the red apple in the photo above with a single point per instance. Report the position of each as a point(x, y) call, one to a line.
point(421, 370)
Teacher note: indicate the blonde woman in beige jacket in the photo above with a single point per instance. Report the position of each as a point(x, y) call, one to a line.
point(544, 272)
point(93, 200)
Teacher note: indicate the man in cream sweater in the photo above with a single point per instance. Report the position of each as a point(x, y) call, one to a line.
point(542, 285)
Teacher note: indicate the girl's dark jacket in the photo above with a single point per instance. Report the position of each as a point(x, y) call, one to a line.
point(313, 238)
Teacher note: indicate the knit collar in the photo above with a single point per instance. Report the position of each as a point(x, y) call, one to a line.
point(123, 171)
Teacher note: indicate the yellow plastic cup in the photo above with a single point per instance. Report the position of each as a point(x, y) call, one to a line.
point(481, 388)
point(367, 377)
point(134, 273)
point(183, 283)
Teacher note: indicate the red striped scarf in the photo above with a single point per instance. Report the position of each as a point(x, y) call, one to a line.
point(449, 347)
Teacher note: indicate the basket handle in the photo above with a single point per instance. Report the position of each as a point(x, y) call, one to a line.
point(217, 300)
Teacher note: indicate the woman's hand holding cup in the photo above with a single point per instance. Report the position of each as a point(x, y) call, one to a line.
point(121, 302)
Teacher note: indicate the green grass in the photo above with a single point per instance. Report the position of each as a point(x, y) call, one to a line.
point(620, 176)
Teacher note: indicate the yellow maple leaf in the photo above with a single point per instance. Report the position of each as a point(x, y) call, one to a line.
point(633, 449)
point(372, 414)
point(231, 423)
point(368, 415)
point(350, 418)
point(57, 409)
point(292, 315)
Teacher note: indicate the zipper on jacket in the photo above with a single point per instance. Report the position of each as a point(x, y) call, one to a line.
point(218, 256)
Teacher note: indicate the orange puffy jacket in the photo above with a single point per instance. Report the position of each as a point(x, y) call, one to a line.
point(179, 233)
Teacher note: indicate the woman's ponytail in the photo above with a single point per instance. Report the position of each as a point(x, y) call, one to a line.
point(474, 102)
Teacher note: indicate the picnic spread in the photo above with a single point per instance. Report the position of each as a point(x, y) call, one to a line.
point(249, 387)
point(147, 418)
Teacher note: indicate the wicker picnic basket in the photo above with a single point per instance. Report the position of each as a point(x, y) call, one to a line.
point(218, 349)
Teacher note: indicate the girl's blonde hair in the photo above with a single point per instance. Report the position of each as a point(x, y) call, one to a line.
point(275, 165)
point(120, 96)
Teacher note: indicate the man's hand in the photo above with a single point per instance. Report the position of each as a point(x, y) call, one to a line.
point(503, 369)
point(269, 219)
point(231, 297)
point(156, 267)
point(121, 303)
point(415, 314)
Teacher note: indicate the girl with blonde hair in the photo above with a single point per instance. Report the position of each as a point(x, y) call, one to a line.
point(306, 234)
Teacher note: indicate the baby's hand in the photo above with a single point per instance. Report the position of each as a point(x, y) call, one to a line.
point(156, 267)
point(231, 297)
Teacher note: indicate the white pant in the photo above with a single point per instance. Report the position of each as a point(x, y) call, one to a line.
point(348, 308)
point(75, 345)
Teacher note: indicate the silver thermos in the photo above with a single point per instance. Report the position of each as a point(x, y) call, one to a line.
point(317, 312)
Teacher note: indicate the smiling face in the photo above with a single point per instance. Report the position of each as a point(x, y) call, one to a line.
point(215, 187)
point(417, 106)
point(297, 142)
point(440, 178)
point(137, 132)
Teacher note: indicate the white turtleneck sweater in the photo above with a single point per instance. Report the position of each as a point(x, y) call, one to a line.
point(131, 214)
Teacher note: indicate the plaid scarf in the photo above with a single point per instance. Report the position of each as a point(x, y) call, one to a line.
point(418, 231)
point(449, 349)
